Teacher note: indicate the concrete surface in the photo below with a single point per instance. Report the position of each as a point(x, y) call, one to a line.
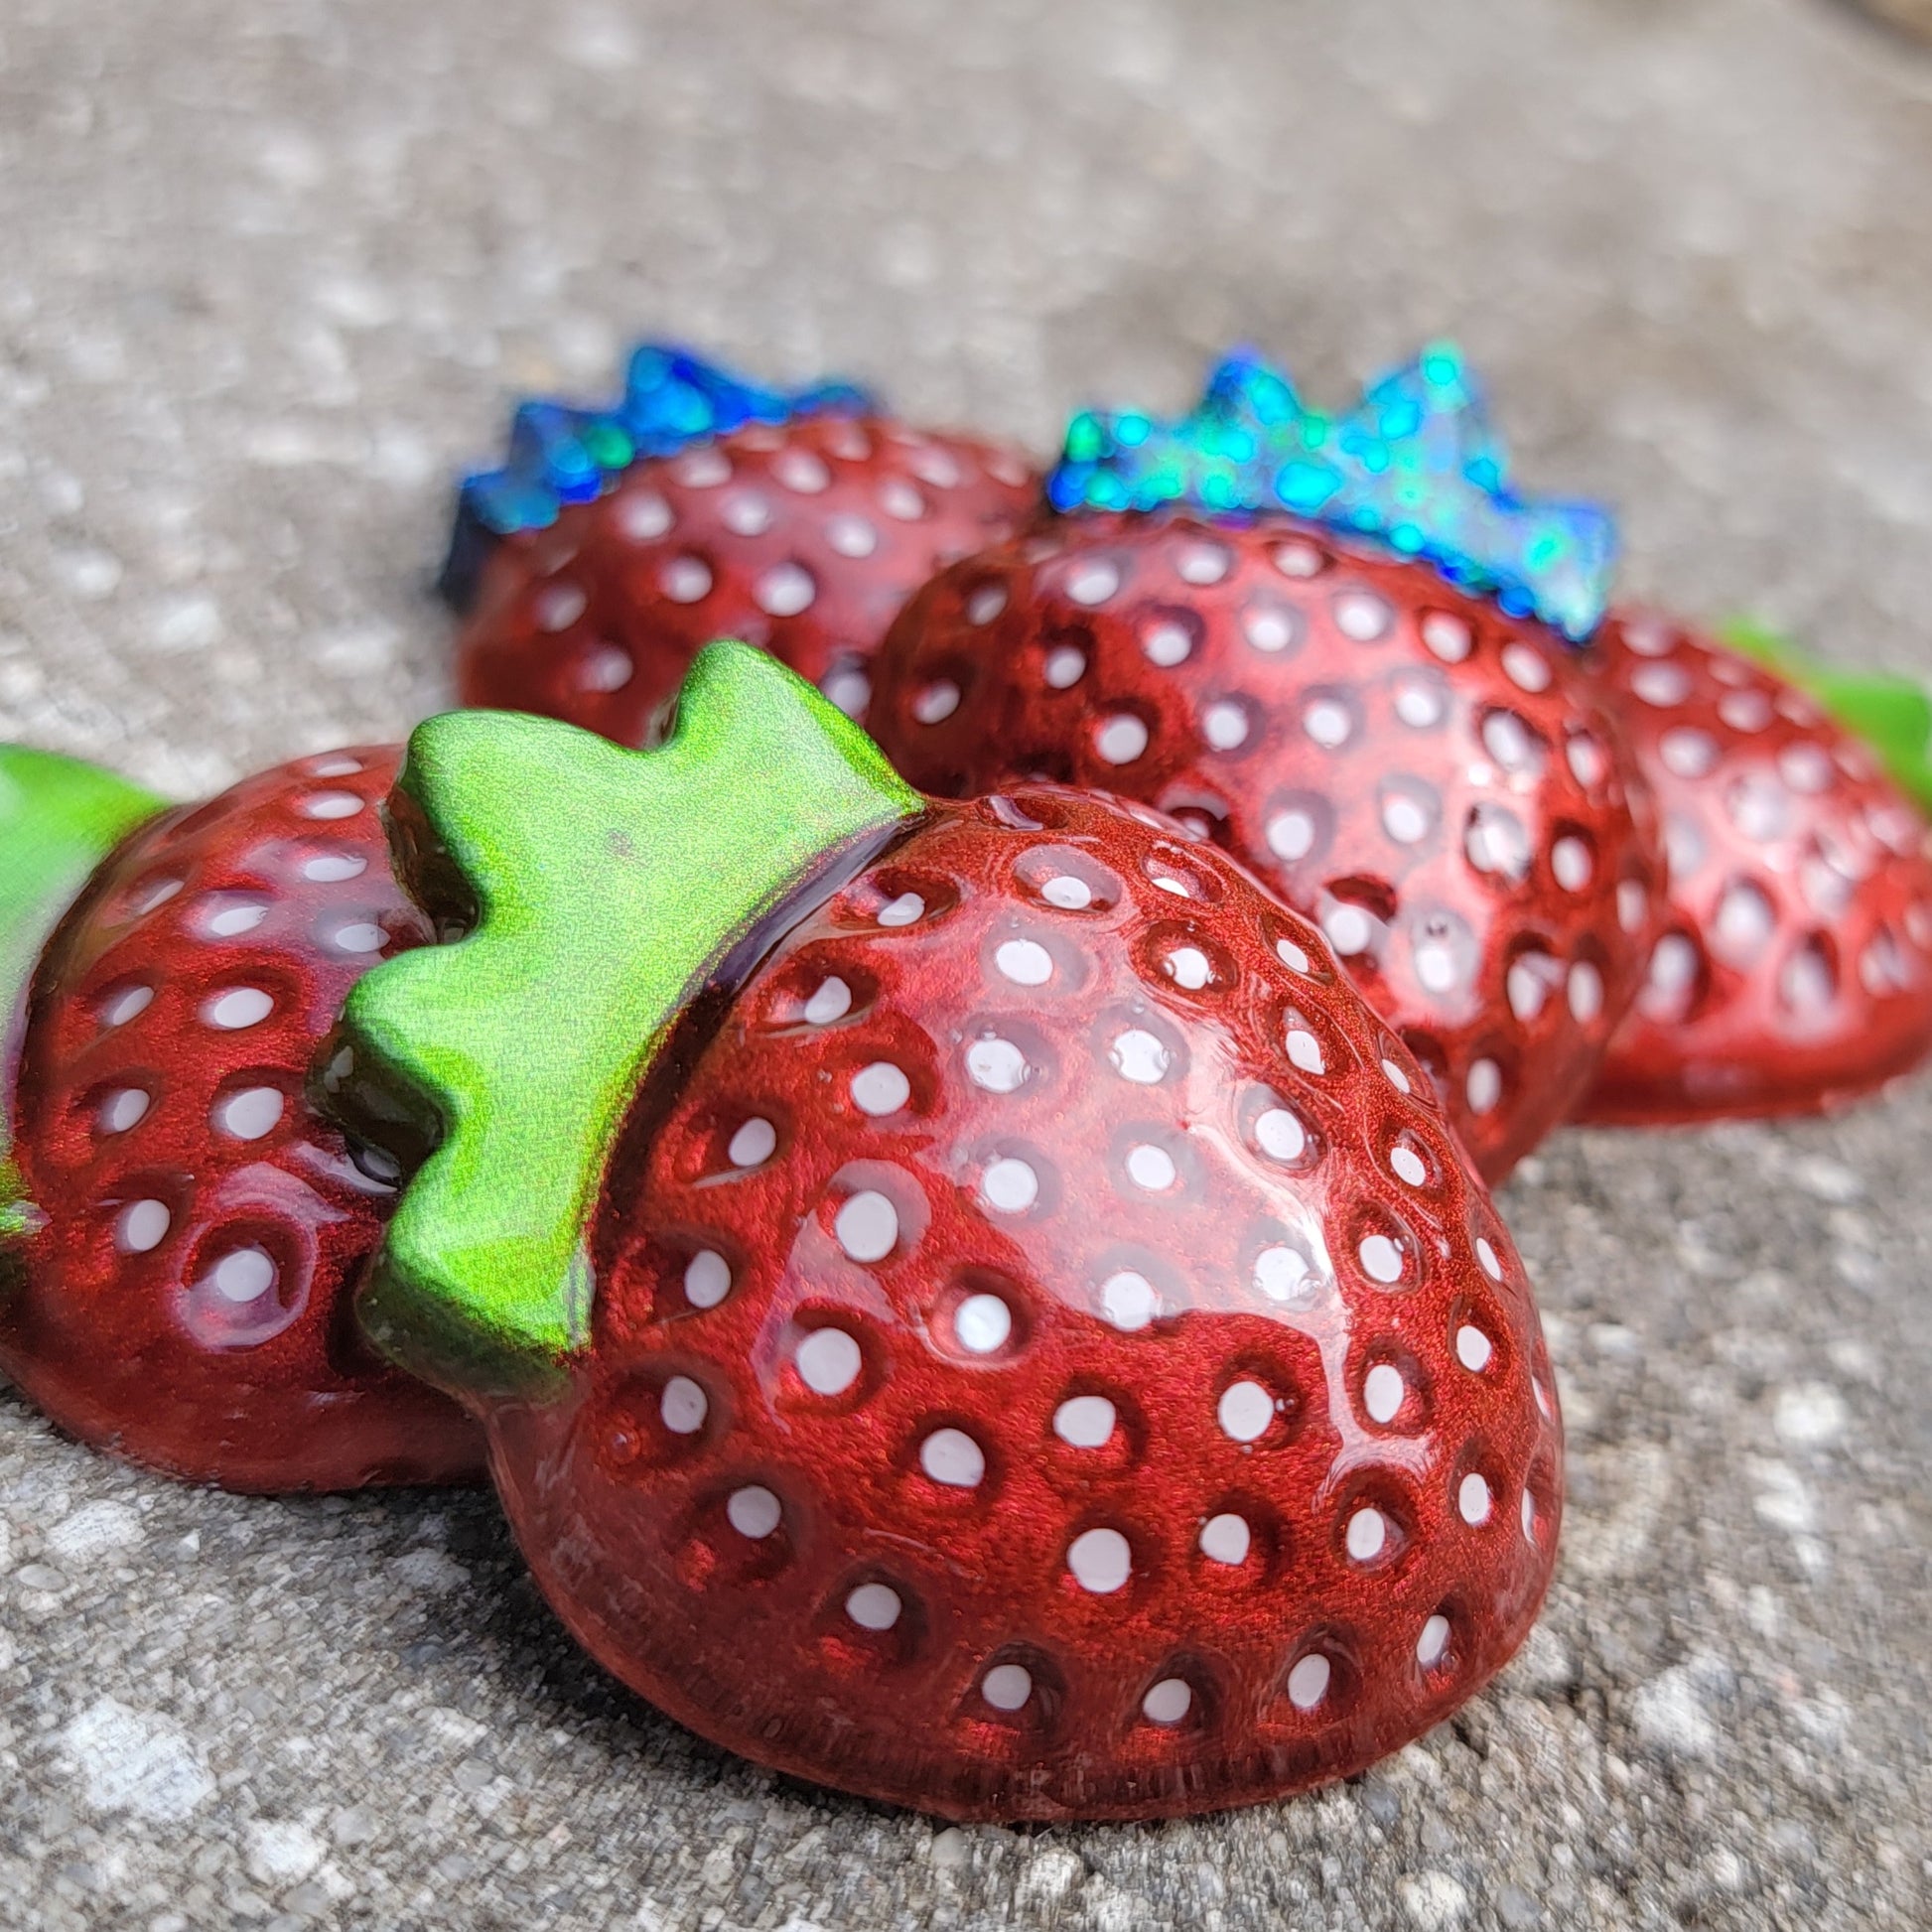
point(268, 270)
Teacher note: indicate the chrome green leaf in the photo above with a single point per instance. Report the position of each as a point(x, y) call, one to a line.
point(608, 885)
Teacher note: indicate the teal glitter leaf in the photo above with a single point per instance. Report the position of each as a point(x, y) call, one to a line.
point(1415, 464)
point(561, 453)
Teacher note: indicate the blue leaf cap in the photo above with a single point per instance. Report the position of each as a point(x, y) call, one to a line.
point(562, 453)
point(1416, 466)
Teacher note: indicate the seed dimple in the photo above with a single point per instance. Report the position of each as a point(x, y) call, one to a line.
point(1584, 991)
point(1224, 723)
point(1026, 962)
point(362, 937)
point(1448, 637)
point(900, 501)
point(1304, 1051)
point(685, 579)
point(1290, 834)
point(1084, 1420)
point(1368, 1534)
point(683, 1406)
point(1525, 667)
point(1661, 684)
point(828, 1361)
point(238, 1008)
point(746, 514)
point(1473, 1348)
point(906, 910)
point(873, 1606)
point(753, 1512)
point(985, 604)
point(983, 1323)
point(1362, 616)
point(1280, 1135)
point(242, 1274)
point(1408, 1166)
point(1071, 895)
point(1203, 563)
point(126, 1107)
point(801, 471)
point(1298, 559)
point(1569, 861)
point(1226, 1538)
point(1507, 740)
point(1472, 1500)
point(1150, 1168)
point(1526, 985)
point(1101, 1560)
point(1432, 1642)
point(249, 1114)
point(1486, 1255)
point(753, 1143)
point(129, 1004)
point(142, 1227)
point(831, 1001)
point(1308, 1682)
point(997, 1065)
point(1065, 664)
point(1092, 582)
point(329, 805)
point(1383, 1391)
point(559, 605)
point(1328, 723)
point(1128, 1301)
point(1244, 1412)
point(1267, 627)
point(1381, 1258)
point(1406, 815)
point(937, 703)
point(1189, 968)
point(851, 536)
point(1121, 739)
point(1139, 1057)
point(1009, 1185)
point(1167, 1702)
point(1687, 752)
point(880, 1089)
point(1167, 644)
point(1007, 1687)
point(1283, 1273)
point(642, 515)
point(707, 1279)
point(866, 1226)
point(951, 1457)
point(1348, 929)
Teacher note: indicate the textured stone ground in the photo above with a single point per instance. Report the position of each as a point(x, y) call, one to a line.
point(269, 268)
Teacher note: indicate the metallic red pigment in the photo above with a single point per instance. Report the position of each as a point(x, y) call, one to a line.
point(1436, 783)
point(1046, 1107)
point(1794, 967)
point(805, 537)
point(187, 1298)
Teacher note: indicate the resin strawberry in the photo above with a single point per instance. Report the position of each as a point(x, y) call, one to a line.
point(180, 1232)
point(1432, 779)
point(1793, 970)
point(616, 543)
point(1436, 783)
point(967, 1304)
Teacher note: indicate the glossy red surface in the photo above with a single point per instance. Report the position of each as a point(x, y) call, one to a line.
point(806, 538)
point(1046, 1107)
point(1435, 782)
point(188, 1300)
point(1793, 970)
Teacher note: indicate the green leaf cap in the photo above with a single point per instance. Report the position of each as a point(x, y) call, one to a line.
point(59, 819)
point(1892, 714)
point(608, 885)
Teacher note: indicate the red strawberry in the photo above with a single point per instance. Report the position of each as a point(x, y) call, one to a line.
point(804, 529)
point(1047, 1354)
point(187, 1230)
point(1435, 781)
point(1794, 970)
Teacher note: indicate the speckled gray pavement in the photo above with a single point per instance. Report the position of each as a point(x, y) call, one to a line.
point(269, 270)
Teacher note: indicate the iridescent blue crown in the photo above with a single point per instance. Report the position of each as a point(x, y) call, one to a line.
point(1416, 466)
point(560, 452)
